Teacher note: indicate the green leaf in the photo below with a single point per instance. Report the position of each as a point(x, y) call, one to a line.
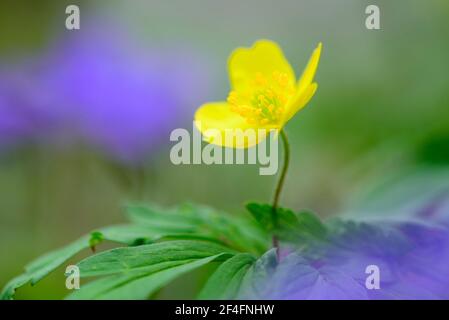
point(240, 233)
point(10, 288)
point(161, 220)
point(257, 275)
point(136, 272)
point(130, 234)
point(41, 267)
point(226, 280)
point(286, 224)
point(140, 284)
point(126, 234)
point(100, 286)
point(434, 150)
point(151, 224)
point(263, 213)
point(310, 225)
point(129, 259)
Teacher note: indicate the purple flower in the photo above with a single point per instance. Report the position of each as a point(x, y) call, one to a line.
point(105, 89)
point(412, 259)
point(402, 227)
point(23, 117)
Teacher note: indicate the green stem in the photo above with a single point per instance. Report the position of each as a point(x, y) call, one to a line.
point(280, 184)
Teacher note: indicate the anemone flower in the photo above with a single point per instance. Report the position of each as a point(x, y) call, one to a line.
point(264, 94)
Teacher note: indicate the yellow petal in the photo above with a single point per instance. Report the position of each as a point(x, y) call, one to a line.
point(309, 72)
point(215, 120)
point(263, 58)
point(300, 101)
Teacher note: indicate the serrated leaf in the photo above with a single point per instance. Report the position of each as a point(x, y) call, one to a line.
point(125, 234)
point(136, 272)
point(286, 224)
point(140, 284)
point(42, 266)
point(264, 215)
point(236, 232)
point(152, 224)
point(226, 280)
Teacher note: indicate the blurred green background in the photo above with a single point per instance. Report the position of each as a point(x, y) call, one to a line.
point(383, 95)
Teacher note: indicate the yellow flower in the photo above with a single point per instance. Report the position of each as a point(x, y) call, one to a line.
point(264, 94)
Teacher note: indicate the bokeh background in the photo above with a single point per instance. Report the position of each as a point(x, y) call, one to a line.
point(85, 115)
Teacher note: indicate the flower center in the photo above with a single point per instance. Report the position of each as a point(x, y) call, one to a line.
point(265, 102)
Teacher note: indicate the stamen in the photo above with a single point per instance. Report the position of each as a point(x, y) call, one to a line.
point(269, 97)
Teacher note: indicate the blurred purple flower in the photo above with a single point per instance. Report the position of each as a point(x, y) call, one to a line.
point(402, 227)
point(412, 257)
point(23, 117)
point(103, 88)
